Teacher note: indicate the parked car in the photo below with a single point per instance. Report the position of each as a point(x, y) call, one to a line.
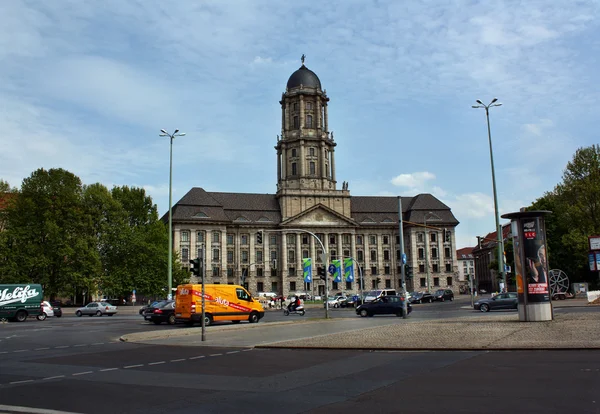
point(163, 311)
point(143, 308)
point(384, 305)
point(421, 297)
point(501, 301)
point(335, 301)
point(443, 295)
point(49, 311)
point(97, 308)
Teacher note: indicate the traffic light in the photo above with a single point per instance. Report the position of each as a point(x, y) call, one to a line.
point(195, 267)
point(259, 237)
point(322, 273)
point(378, 281)
point(408, 272)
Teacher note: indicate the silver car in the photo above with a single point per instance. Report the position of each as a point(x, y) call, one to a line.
point(97, 308)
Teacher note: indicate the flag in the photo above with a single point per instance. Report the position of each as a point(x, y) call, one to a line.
point(349, 270)
point(337, 275)
point(307, 266)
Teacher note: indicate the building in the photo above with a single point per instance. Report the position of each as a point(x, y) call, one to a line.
point(466, 266)
point(261, 239)
point(486, 259)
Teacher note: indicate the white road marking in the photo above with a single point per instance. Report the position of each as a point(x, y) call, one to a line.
point(178, 360)
point(108, 369)
point(98, 343)
point(31, 410)
point(20, 350)
point(40, 349)
point(21, 382)
point(244, 350)
point(157, 363)
point(79, 345)
point(215, 354)
point(198, 357)
point(83, 373)
point(4, 352)
point(133, 366)
point(233, 352)
point(61, 346)
point(55, 377)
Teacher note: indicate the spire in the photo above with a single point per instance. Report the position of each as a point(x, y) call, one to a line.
point(302, 58)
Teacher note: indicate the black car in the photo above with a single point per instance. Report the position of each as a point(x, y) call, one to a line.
point(443, 295)
point(508, 300)
point(163, 311)
point(385, 305)
point(421, 297)
point(145, 307)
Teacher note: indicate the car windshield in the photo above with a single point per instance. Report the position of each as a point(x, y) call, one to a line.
point(160, 304)
point(439, 292)
point(374, 293)
point(418, 294)
point(104, 304)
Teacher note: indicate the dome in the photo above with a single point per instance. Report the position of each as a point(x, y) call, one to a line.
point(305, 77)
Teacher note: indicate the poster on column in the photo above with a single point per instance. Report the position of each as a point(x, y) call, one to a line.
point(534, 246)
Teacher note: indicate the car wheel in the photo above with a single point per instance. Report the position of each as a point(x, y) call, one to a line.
point(171, 320)
point(208, 320)
point(443, 299)
point(484, 307)
point(419, 301)
point(399, 313)
point(336, 305)
point(78, 313)
point(42, 317)
point(98, 313)
point(21, 316)
point(364, 313)
point(253, 317)
point(156, 322)
point(451, 298)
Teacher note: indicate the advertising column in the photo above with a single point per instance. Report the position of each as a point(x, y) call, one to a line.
point(531, 265)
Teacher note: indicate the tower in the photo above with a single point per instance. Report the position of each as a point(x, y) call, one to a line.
point(306, 150)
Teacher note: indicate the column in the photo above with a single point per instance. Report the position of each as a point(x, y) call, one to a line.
point(299, 261)
point(313, 254)
point(283, 161)
point(318, 112)
point(287, 115)
point(302, 159)
point(326, 129)
point(223, 260)
point(323, 172)
point(278, 166)
point(284, 264)
point(332, 165)
point(283, 110)
point(237, 256)
point(177, 242)
point(208, 251)
point(354, 264)
point(301, 112)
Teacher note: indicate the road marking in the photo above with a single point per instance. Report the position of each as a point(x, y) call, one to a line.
point(40, 349)
point(198, 357)
point(133, 366)
point(61, 346)
point(108, 369)
point(244, 350)
point(20, 382)
point(55, 377)
point(178, 360)
point(98, 343)
point(20, 350)
point(31, 410)
point(233, 352)
point(4, 352)
point(83, 373)
point(79, 345)
point(157, 363)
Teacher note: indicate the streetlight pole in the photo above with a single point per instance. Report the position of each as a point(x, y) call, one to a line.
point(172, 136)
point(498, 227)
point(426, 249)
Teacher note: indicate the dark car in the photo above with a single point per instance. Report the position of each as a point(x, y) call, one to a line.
point(443, 295)
point(143, 308)
point(501, 301)
point(385, 305)
point(421, 297)
point(57, 311)
point(163, 311)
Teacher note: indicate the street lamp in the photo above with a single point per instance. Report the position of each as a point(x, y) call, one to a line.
point(498, 227)
point(172, 136)
point(427, 244)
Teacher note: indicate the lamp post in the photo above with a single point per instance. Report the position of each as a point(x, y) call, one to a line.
point(498, 227)
point(426, 248)
point(172, 136)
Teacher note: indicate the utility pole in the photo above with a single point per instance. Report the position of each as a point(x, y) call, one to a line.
point(403, 260)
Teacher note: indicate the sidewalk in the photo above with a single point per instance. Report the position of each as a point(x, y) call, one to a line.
point(477, 332)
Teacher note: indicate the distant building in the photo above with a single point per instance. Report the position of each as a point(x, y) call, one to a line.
point(264, 236)
point(485, 254)
point(466, 263)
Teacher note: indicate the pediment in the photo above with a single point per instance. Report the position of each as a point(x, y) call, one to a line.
point(319, 216)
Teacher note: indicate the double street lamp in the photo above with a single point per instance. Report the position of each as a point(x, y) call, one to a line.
point(172, 136)
point(425, 218)
point(498, 227)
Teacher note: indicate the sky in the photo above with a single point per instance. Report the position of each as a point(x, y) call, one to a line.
point(87, 86)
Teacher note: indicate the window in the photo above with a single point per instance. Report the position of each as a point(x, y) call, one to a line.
point(294, 169)
point(200, 237)
point(309, 121)
point(373, 239)
point(309, 106)
point(346, 253)
point(433, 237)
point(448, 267)
point(374, 284)
point(273, 271)
point(419, 237)
point(436, 281)
point(399, 270)
point(259, 256)
point(294, 153)
point(292, 285)
point(434, 253)
point(397, 239)
point(295, 106)
point(216, 237)
point(291, 271)
point(319, 254)
point(185, 255)
point(386, 255)
point(373, 270)
point(229, 239)
point(244, 239)
point(448, 236)
point(273, 239)
point(185, 236)
point(321, 236)
point(422, 282)
point(200, 256)
point(260, 286)
point(398, 255)
point(449, 281)
point(273, 255)
point(258, 238)
point(447, 252)
point(346, 238)
point(388, 283)
point(387, 270)
point(373, 255)
point(436, 268)
point(291, 256)
point(332, 239)
point(333, 254)
point(360, 256)
point(312, 168)
point(360, 284)
point(348, 285)
point(359, 239)
point(305, 239)
point(229, 256)
point(421, 268)
point(296, 122)
point(305, 254)
point(244, 256)
point(290, 239)
point(311, 151)
point(230, 272)
point(216, 272)
point(274, 287)
point(215, 257)
point(421, 253)
point(334, 286)
point(386, 239)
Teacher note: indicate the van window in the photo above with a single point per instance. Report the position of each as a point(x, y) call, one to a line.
point(243, 295)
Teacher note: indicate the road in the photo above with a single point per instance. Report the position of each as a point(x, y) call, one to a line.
point(78, 365)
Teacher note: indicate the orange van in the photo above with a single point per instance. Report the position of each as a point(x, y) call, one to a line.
point(222, 303)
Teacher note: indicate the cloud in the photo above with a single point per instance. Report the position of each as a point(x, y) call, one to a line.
point(413, 180)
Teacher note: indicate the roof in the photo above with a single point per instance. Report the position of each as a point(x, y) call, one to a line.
point(490, 239)
point(305, 77)
point(199, 205)
point(465, 253)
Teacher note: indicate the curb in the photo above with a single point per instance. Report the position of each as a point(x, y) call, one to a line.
point(407, 349)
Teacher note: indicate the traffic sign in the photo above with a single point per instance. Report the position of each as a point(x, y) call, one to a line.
point(403, 258)
point(331, 268)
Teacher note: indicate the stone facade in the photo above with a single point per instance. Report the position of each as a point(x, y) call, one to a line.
point(309, 202)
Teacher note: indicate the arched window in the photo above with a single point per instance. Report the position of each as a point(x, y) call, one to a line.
point(294, 172)
point(312, 152)
point(312, 168)
point(293, 152)
point(296, 122)
point(309, 106)
point(309, 121)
